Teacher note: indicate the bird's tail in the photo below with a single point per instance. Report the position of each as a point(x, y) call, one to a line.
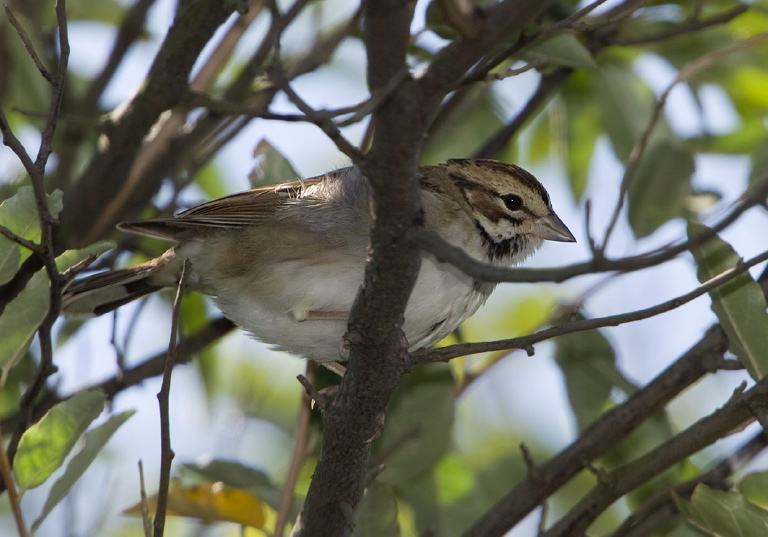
point(107, 291)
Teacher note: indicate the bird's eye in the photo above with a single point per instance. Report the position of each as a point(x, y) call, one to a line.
point(512, 201)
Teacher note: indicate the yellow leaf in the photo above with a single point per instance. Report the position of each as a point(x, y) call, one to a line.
point(210, 502)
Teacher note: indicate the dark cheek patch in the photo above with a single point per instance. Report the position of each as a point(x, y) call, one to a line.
point(486, 205)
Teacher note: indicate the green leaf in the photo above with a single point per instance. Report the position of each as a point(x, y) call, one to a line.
point(23, 315)
point(754, 487)
point(725, 514)
point(453, 478)
point(376, 516)
point(415, 441)
point(107, 11)
point(739, 304)
point(583, 127)
point(583, 131)
point(210, 180)
point(540, 141)
point(45, 445)
point(660, 186)
point(588, 364)
point(561, 49)
point(10, 258)
point(95, 440)
point(273, 166)
point(19, 214)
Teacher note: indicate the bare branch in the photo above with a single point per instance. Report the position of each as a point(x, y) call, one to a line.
point(163, 399)
point(21, 241)
point(693, 25)
point(325, 124)
point(300, 441)
point(28, 45)
point(127, 126)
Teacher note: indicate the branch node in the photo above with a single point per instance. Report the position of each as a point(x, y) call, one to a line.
point(533, 470)
point(318, 399)
point(603, 477)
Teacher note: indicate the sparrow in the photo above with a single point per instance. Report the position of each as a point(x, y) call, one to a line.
point(285, 262)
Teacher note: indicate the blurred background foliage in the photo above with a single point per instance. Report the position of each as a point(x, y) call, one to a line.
point(451, 445)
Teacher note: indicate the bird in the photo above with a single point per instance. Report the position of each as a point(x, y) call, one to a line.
point(284, 262)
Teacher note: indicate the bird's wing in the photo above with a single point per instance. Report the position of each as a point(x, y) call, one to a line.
point(236, 210)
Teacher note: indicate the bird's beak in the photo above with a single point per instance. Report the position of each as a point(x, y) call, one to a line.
point(551, 228)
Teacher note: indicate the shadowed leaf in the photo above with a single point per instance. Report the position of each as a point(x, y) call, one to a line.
point(739, 304)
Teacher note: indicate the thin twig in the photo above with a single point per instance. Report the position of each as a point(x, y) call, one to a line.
point(28, 45)
point(10, 486)
point(326, 125)
point(300, 442)
point(453, 351)
point(535, 64)
point(145, 518)
point(163, 396)
point(693, 25)
point(11, 236)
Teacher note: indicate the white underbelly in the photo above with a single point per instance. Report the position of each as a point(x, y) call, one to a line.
point(442, 298)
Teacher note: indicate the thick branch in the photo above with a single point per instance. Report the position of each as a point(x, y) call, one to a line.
point(374, 336)
point(127, 126)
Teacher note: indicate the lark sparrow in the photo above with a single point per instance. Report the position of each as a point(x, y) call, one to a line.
point(285, 262)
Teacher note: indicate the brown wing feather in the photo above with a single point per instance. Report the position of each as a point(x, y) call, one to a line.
point(236, 210)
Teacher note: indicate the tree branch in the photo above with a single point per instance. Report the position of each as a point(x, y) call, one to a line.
point(125, 128)
point(163, 399)
point(375, 366)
